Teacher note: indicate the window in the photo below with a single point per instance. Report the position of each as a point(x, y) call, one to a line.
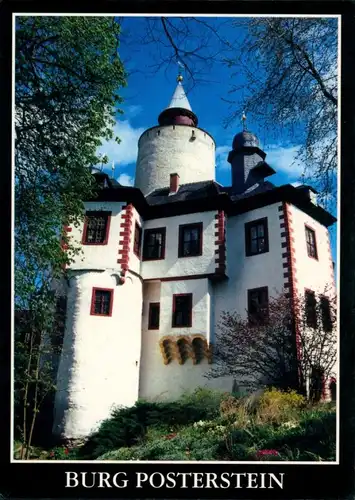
point(96, 228)
point(326, 314)
point(154, 316)
point(137, 240)
point(154, 244)
point(101, 303)
point(256, 237)
point(311, 243)
point(182, 310)
point(190, 240)
point(311, 311)
point(258, 305)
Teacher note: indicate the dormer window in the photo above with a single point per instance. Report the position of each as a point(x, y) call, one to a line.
point(96, 228)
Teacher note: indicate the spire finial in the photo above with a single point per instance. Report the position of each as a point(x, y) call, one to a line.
point(244, 119)
point(180, 78)
point(113, 168)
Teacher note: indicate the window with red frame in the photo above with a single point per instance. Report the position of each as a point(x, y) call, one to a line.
point(154, 316)
point(137, 240)
point(311, 243)
point(190, 240)
point(96, 228)
point(311, 309)
point(182, 310)
point(101, 304)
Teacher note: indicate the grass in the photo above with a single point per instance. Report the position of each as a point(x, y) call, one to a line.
point(210, 425)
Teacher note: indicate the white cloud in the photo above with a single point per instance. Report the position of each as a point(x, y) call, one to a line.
point(125, 152)
point(125, 180)
point(133, 110)
point(221, 157)
point(284, 159)
point(296, 184)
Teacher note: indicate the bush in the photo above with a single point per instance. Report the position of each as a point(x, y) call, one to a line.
point(190, 443)
point(128, 426)
point(276, 406)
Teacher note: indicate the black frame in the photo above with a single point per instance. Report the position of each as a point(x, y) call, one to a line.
point(249, 226)
point(182, 241)
point(311, 308)
point(311, 242)
point(154, 321)
point(186, 321)
point(261, 313)
point(161, 253)
point(137, 242)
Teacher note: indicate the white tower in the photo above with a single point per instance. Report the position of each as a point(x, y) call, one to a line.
point(175, 146)
point(100, 359)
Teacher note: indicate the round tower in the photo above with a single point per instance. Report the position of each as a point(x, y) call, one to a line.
point(175, 146)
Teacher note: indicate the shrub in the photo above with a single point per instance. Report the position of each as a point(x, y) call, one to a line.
point(313, 438)
point(188, 444)
point(276, 406)
point(128, 426)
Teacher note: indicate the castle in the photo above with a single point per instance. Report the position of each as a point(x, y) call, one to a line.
point(162, 260)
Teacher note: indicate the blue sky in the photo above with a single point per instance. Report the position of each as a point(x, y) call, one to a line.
point(149, 91)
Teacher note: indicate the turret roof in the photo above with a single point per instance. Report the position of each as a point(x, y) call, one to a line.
point(179, 99)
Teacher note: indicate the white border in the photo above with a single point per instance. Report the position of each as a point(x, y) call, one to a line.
point(133, 462)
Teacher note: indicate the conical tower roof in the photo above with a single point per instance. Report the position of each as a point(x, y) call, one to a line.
point(179, 111)
point(179, 99)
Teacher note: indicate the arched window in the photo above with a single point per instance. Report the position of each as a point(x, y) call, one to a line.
point(183, 350)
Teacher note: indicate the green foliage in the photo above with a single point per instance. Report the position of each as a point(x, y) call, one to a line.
point(312, 435)
point(209, 425)
point(127, 426)
point(68, 73)
point(279, 406)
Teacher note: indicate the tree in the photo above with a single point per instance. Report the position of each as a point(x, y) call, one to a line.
point(291, 69)
point(283, 73)
point(280, 349)
point(67, 77)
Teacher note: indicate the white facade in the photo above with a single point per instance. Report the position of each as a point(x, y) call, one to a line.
point(174, 149)
point(113, 358)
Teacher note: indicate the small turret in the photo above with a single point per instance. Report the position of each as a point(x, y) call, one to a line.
point(248, 161)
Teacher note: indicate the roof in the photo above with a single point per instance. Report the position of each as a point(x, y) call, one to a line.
point(194, 190)
point(209, 195)
point(245, 139)
point(179, 99)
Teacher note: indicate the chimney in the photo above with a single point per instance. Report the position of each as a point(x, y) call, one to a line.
point(174, 183)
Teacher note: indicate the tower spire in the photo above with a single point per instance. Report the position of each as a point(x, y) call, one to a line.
point(180, 78)
point(244, 120)
point(179, 111)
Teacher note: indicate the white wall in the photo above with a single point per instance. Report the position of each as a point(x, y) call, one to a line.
point(170, 149)
point(250, 272)
point(161, 381)
point(100, 362)
point(311, 273)
point(99, 256)
point(134, 261)
point(172, 265)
